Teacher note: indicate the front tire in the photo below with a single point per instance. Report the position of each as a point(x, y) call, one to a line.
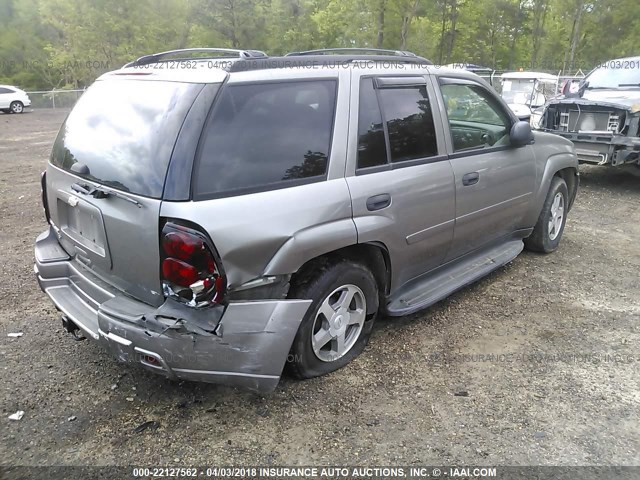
point(337, 326)
point(548, 231)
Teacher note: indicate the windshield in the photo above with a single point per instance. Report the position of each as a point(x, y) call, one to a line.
point(124, 131)
point(517, 91)
point(615, 74)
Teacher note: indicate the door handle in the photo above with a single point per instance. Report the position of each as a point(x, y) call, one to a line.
point(378, 202)
point(470, 178)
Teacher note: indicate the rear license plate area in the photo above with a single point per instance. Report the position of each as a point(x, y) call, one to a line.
point(82, 223)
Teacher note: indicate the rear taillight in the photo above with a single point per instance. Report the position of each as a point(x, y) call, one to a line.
point(190, 271)
point(43, 187)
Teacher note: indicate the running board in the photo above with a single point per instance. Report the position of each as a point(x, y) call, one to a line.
point(431, 288)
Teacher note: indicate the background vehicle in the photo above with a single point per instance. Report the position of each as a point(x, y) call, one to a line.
point(602, 117)
point(13, 100)
point(216, 221)
point(526, 91)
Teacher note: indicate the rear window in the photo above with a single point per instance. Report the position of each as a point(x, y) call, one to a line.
point(264, 136)
point(124, 132)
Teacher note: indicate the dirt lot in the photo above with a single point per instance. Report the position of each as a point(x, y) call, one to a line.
point(563, 388)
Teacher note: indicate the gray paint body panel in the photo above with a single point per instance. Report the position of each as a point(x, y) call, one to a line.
point(113, 237)
point(497, 204)
point(274, 232)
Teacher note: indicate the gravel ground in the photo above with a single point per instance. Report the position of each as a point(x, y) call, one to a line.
point(562, 387)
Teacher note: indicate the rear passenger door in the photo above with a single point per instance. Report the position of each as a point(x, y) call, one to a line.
point(399, 177)
point(493, 180)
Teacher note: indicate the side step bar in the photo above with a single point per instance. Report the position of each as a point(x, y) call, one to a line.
point(433, 287)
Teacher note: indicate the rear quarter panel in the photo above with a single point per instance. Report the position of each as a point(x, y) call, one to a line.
point(275, 232)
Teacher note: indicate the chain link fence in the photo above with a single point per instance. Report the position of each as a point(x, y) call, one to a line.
point(55, 98)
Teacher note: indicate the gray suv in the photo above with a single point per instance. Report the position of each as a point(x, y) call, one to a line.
point(220, 215)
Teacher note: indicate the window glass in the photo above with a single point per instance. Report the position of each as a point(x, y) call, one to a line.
point(615, 74)
point(475, 120)
point(5, 90)
point(407, 112)
point(265, 134)
point(372, 150)
point(124, 131)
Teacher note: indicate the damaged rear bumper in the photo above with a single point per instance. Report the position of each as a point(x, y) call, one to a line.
point(248, 346)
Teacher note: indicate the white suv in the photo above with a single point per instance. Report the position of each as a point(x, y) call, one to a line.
point(13, 100)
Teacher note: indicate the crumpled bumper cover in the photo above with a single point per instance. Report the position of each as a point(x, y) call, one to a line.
point(602, 147)
point(247, 347)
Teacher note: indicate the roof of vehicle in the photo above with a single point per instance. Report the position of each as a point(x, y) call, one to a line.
point(9, 86)
point(529, 76)
point(217, 64)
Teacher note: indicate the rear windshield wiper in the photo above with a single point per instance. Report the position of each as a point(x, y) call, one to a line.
point(629, 85)
point(101, 192)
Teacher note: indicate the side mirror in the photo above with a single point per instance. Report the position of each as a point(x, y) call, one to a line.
point(521, 134)
point(525, 117)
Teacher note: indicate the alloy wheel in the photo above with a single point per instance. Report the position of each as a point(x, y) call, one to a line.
point(338, 323)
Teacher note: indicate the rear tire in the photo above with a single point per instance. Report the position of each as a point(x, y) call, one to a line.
point(16, 107)
point(548, 231)
point(337, 326)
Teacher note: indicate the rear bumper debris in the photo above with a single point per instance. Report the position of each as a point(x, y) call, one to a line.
point(245, 344)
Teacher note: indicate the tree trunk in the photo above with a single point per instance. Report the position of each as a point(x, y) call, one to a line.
point(444, 25)
point(407, 18)
point(452, 32)
point(575, 36)
point(540, 15)
point(380, 39)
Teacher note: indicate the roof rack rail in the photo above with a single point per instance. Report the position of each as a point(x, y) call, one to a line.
point(373, 51)
point(233, 52)
point(310, 60)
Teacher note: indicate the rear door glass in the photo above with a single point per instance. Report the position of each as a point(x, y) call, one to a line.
point(372, 149)
point(124, 131)
point(409, 120)
point(263, 136)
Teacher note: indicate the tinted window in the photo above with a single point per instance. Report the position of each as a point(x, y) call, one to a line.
point(5, 90)
point(266, 134)
point(372, 148)
point(475, 118)
point(124, 132)
point(407, 112)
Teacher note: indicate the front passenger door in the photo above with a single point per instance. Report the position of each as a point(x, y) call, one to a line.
point(493, 180)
